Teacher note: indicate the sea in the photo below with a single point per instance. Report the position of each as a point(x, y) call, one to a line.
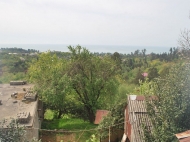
point(124, 49)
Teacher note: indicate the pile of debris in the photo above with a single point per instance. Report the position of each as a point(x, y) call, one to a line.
point(23, 117)
point(30, 96)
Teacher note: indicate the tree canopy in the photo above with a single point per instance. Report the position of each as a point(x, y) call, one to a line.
point(170, 111)
point(49, 73)
point(93, 79)
point(84, 79)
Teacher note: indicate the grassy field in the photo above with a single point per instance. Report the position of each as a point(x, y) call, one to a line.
point(68, 124)
point(66, 129)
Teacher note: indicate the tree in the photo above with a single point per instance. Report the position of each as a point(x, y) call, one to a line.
point(184, 43)
point(11, 132)
point(152, 73)
point(49, 74)
point(138, 77)
point(93, 79)
point(117, 58)
point(170, 111)
point(165, 69)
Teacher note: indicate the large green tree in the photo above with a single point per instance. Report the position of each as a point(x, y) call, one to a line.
point(93, 79)
point(49, 74)
point(169, 112)
point(152, 73)
point(81, 84)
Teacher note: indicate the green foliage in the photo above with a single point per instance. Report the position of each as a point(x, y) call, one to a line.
point(82, 130)
point(146, 88)
point(11, 131)
point(93, 79)
point(114, 119)
point(93, 139)
point(68, 124)
point(35, 140)
point(170, 111)
point(49, 114)
point(18, 50)
point(7, 77)
point(51, 82)
point(117, 58)
point(138, 77)
point(79, 86)
point(14, 66)
point(152, 73)
point(165, 69)
point(123, 90)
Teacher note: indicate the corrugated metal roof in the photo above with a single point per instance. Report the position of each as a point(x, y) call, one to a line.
point(99, 115)
point(138, 116)
point(184, 136)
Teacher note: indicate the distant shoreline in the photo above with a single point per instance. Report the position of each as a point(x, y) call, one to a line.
point(92, 48)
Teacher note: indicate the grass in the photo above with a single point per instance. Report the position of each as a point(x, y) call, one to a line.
point(7, 77)
point(69, 124)
point(66, 122)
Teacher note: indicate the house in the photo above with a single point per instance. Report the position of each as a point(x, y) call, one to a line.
point(135, 116)
point(18, 102)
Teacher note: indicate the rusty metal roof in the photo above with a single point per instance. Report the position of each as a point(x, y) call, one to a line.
point(99, 115)
point(137, 116)
point(184, 136)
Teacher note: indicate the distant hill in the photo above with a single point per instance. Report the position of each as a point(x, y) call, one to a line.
point(18, 50)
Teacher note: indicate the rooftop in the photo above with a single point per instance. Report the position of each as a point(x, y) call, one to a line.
point(138, 116)
point(12, 107)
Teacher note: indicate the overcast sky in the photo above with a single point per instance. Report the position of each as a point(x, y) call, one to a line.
point(94, 22)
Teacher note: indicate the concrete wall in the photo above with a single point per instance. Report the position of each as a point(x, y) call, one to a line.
point(40, 110)
point(33, 131)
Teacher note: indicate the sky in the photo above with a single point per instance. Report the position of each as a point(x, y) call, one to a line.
point(94, 22)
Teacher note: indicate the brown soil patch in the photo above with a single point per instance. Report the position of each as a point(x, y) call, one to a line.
point(20, 96)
